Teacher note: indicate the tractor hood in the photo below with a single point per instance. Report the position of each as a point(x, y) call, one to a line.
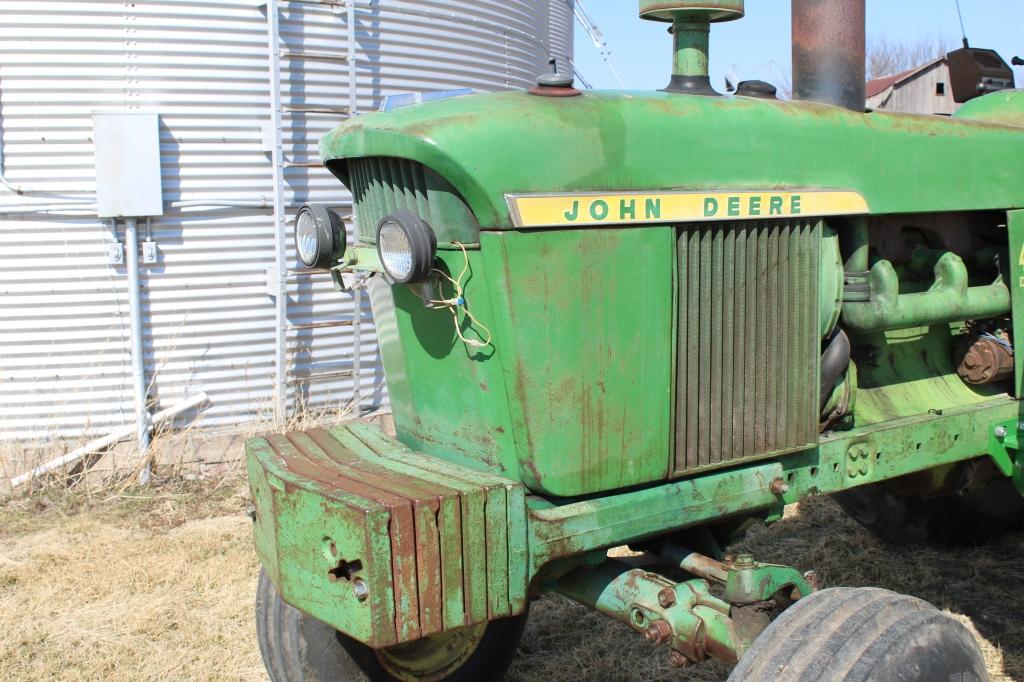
point(492, 145)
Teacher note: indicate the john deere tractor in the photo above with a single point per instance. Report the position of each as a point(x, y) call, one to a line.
point(649, 319)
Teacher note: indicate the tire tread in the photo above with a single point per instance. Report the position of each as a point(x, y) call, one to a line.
point(845, 635)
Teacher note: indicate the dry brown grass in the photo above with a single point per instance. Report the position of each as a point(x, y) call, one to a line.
point(158, 585)
point(146, 585)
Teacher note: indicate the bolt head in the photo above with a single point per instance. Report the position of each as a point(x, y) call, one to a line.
point(678, 660)
point(744, 560)
point(1000, 432)
point(360, 589)
point(779, 486)
point(658, 631)
point(667, 597)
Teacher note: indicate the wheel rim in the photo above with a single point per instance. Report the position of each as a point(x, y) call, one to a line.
point(434, 657)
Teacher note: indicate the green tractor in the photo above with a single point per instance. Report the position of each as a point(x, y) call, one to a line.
point(650, 319)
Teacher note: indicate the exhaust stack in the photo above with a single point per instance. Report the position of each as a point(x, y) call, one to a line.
point(828, 52)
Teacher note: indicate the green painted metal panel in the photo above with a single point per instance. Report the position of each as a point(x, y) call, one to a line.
point(493, 144)
point(496, 520)
point(830, 281)
point(1015, 230)
point(909, 372)
point(436, 509)
point(476, 482)
point(844, 459)
point(902, 446)
point(585, 340)
point(577, 527)
point(747, 363)
point(514, 408)
point(473, 496)
point(296, 519)
point(463, 580)
point(518, 549)
point(1005, 107)
point(349, 494)
point(448, 401)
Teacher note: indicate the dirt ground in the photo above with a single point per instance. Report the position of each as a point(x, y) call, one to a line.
point(157, 584)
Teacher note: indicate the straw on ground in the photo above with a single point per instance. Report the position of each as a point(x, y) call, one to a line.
point(157, 584)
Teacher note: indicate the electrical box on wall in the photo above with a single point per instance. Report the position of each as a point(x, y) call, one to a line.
point(127, 164)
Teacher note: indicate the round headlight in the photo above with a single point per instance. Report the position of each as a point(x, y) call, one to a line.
point(319, 236)
point(406, 246)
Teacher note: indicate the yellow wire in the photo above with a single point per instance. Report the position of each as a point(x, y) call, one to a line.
point(453, 304)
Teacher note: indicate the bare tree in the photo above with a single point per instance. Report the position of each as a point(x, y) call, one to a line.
point(885, 57)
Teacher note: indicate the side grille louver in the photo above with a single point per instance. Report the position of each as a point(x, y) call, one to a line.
point(747, 353)
point(382, 185)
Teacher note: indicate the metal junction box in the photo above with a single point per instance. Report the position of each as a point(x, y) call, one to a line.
point(127, 154)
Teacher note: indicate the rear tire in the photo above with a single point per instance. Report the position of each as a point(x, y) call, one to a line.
point(299, 648)
point(865, 634)
point(979, 516)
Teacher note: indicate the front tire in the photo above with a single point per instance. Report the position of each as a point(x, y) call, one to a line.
point(865, 634)
point(299, 648)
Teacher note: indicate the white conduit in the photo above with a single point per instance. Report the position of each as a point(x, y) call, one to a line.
point(131, 245)
point(109, 439)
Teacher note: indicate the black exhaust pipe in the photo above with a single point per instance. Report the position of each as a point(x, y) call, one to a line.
point(828, 52)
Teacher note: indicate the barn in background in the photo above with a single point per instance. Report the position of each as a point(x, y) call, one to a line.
point(925, 89)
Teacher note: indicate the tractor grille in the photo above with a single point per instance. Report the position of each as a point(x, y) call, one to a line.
point(381, 185)
point(747, 359)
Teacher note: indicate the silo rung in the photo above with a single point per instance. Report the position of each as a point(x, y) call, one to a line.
point(321, 325)
point(303, 164)
point(314, 109)
point(327, 3)
point(330, 3)
point(322, 376)
point(295, 274)
point(322, 56)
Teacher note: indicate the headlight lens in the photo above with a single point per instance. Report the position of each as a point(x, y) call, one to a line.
point(406, 246)
point(307, 239)
point(319, 236)
point(395, 250)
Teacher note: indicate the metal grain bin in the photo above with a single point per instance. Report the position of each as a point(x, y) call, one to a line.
point(209, 316)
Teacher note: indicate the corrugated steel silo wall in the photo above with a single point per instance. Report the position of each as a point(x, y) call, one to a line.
point(203, 66)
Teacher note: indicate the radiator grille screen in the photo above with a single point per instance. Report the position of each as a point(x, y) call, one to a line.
point(747, 359)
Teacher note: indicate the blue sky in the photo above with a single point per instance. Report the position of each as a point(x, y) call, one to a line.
point(758, 46)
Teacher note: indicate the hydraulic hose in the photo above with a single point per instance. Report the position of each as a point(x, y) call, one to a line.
point(833, 363)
